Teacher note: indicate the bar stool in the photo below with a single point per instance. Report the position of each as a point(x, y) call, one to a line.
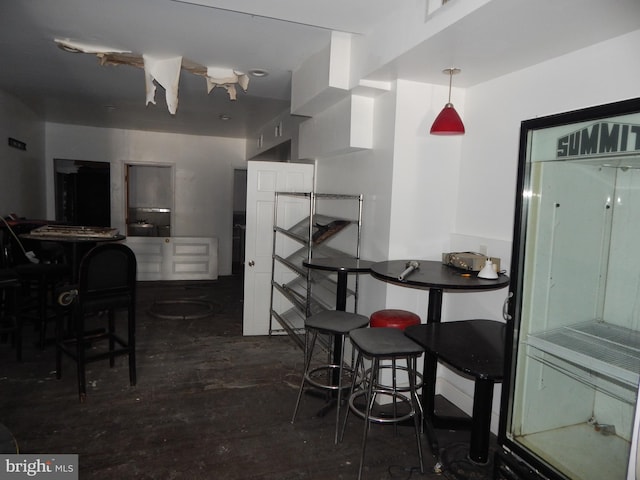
point(334, 323)
point(400, 319)
point(394, 318)
point(378, 344)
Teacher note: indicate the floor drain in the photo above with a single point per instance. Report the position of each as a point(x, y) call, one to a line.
point(188, 309)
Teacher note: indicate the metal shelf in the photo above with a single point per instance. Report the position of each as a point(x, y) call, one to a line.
point(607, 349)
point(310, 291)
point(300, 231)
point(293, 325)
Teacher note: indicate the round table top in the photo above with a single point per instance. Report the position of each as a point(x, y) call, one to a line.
point(339, 264)
point(433, 274)
point(72, 238)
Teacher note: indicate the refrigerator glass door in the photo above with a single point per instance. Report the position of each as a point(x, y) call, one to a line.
point(576, 305)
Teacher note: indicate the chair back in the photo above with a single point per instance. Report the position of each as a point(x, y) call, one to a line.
point(6, 249)
point(107, 277)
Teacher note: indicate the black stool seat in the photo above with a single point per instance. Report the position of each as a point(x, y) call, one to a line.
point(385, 342)
point(336, 322)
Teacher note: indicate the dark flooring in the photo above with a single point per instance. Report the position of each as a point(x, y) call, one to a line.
point(209, 404)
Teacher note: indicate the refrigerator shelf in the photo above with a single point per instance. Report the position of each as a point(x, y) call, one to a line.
point(605, 348)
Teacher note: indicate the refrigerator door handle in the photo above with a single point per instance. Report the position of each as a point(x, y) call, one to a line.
point(505, 307)
point(633, 470)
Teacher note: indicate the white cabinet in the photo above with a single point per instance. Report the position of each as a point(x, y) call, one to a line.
point(175, 258)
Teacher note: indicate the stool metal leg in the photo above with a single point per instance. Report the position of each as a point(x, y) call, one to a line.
point(416, 408)
point(394, 385)
point(339, 399)
point(332, 383)
point(370, 399)
point(359, 364)
point(370, 388)
point(309, 344)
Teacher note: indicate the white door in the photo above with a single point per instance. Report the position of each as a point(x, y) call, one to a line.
point(263, 179)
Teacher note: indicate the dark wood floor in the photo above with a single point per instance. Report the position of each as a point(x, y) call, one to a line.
point(209, 404)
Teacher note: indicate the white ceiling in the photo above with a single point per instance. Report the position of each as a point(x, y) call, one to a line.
point(276, 35)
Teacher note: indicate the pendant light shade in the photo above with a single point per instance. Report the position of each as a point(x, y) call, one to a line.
point(448, 122)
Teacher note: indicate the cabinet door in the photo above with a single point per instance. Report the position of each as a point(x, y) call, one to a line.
point(190, 258)
point(175, 258)
point(263, 180)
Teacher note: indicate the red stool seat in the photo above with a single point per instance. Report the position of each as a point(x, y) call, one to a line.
point(393, 318)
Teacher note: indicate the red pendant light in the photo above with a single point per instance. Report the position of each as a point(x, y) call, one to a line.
point(448, 122)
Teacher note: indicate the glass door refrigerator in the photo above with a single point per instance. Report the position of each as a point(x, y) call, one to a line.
point(573, 348)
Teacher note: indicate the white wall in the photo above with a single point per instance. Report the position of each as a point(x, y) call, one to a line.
point(366, 172)
point(604, 73)
point(203, 196)
point(493, 112)
point(426, 194)
point(22, 180)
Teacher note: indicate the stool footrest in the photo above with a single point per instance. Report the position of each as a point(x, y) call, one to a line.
point(384, 416)
point(400, 388)
point(347, 374)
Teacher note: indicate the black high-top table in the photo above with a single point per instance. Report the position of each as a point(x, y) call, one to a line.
point(475, 348)
point(435, 277)
point(438, 278)
point(343, 266)
point(78, 241)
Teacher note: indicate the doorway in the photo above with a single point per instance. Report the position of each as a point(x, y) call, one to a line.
point(83, 192)
point(149, 200)
point(239, 220)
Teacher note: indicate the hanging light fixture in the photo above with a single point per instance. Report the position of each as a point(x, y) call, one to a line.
point(448, 122)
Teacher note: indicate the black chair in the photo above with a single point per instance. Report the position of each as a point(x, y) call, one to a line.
point(106, 284)
point(38, 281)
point(10, 312)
